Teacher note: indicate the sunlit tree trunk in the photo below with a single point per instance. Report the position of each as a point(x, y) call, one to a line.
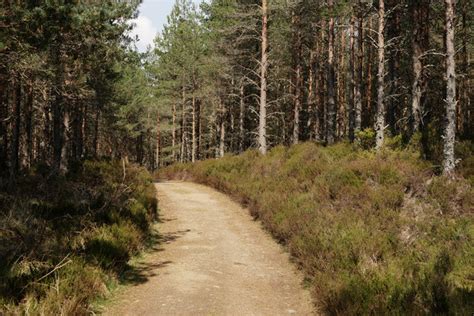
point(194, 138)
point(241, 116)
point(183, 125)
point(262, 126)
point(380, 117)
point(450, 129)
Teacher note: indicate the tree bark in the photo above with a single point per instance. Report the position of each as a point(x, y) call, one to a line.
point(298, 77)
point(359, 48)
point(420, 14)
point(262, 126)
point(3, 127)
point(221, 129)
point(15, 148)
point(369, 84)
point(331, 83)
point(241, 116)
point(57, 108)
point(352, 74)
point(96, 132)
point(183, 126)
point(158, 142)
point(65, 139)
point(173, 134)
point(194, 138)
point(380, 119)
point(450, 130)
point(311, 96)
point(29, 126)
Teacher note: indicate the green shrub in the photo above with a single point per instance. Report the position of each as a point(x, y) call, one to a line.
point(366, 138)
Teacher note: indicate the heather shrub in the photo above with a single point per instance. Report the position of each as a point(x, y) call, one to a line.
point(374, 233)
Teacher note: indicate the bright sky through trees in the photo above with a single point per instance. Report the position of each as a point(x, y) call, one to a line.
point(151, 19)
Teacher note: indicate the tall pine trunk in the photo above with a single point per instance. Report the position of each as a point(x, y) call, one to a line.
point(380, 118)
point(419, 42)
point(221, 128)
point(183, 126)
point(450, 130)
point(359, 49)
point(262, 126)
point(298, 77)
point(194, 138)
point(241, 116)
point(173, 133)
point(158, 142)
point(331, 82)
point(352, 74)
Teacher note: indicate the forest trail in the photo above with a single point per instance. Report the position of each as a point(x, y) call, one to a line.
point(214, 260)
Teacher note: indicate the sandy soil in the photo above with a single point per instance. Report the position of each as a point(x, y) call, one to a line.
point(214, 259)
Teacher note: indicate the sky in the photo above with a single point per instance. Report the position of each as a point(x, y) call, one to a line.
point(151, 19)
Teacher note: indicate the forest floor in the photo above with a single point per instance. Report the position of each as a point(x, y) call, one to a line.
point(214, 259)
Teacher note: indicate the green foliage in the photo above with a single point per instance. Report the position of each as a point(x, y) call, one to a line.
point(63, 237)
point(366, 138)
point(374, 233)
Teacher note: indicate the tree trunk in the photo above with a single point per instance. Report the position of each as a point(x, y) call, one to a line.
point(65, 140)
point(29, 126)
point(241, 117)
point(173, 133)
point(380, 119)
point(194, 138)
point(262, 126)
point(298, 78)
point(340, 69)
point(450, 131)
point(331, 83)
point(15, 148)
point(199, 129)
point(183, 126)
point(3, 127)
point(158, 142)
point(57, 109)
point(352, 75)
point(311, 96)
point(358, 76)
point(221, 129)
point(96, 132)
point(420, 14)
point(368, 89)
point(467, 123)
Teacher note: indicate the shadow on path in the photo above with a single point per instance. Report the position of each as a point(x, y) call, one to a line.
point(140, 272)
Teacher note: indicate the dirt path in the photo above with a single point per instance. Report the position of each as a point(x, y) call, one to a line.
point(216, 260)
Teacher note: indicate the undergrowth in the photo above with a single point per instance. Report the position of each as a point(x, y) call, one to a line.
point(63, 239)
point(374, 233)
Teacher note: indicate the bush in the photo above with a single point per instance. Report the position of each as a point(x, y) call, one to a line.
point(374, 233)
point(62, 237)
